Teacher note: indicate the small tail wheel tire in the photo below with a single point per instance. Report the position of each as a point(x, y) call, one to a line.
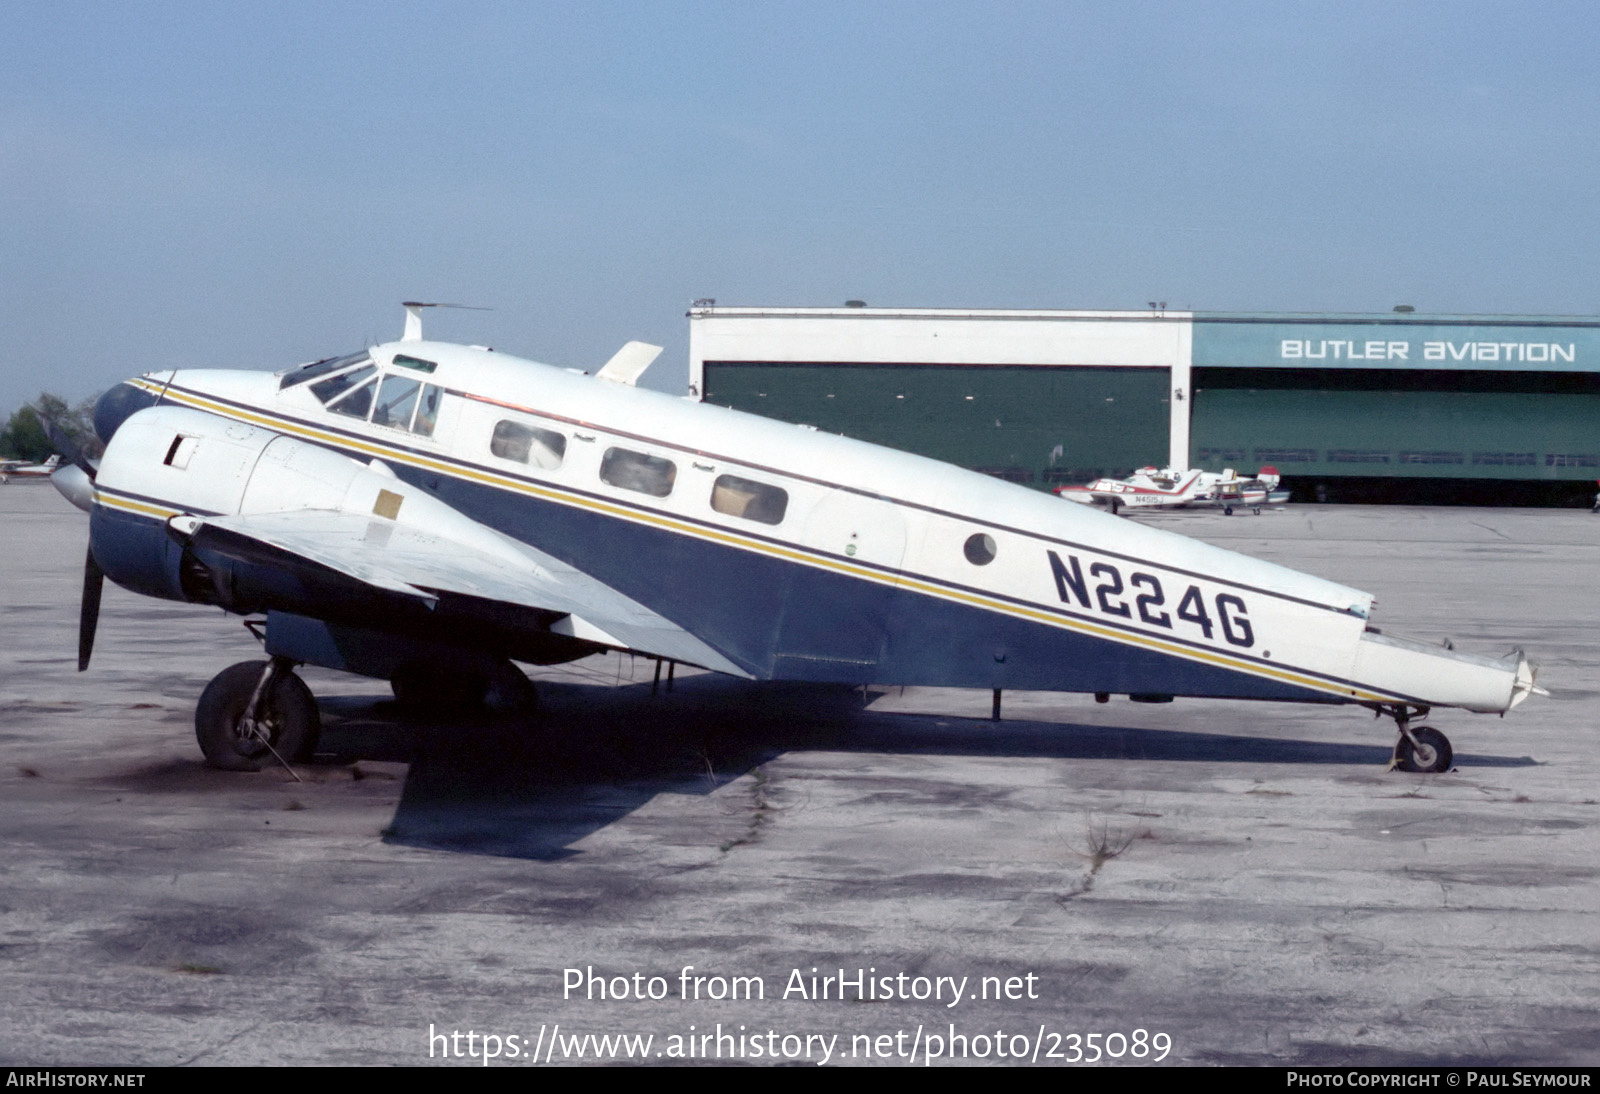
point(287, 716)
point(1430, 753)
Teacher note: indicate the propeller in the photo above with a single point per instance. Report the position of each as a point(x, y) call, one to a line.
point(89, 612)
point(75, 481)
point(63, 443)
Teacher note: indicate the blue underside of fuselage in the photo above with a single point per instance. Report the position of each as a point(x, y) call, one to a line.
point(781, 620)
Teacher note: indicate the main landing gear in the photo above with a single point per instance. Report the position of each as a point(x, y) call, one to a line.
point(1418, 748)
point(257, 713)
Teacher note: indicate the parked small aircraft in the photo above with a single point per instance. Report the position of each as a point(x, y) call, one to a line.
point(25, 469)
point(1171, 488)
point(1146, 488)
point(430, 513)
point(1231, 492)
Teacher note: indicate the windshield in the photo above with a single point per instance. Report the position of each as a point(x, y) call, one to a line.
point(320, 368)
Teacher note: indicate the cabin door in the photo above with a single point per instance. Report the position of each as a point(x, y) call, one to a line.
point(836, 613)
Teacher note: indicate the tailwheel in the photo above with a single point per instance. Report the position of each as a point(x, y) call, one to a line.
point(1423, 748)
point(254, 714)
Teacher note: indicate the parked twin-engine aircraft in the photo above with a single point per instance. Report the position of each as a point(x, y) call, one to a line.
point(431, 513)
point(1170, 488)
point(1146, 488)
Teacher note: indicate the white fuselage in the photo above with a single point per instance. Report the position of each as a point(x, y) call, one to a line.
point(962, 579)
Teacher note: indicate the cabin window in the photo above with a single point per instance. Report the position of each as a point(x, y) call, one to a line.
point(636, 471)
point(357, 402)
point(320, 368)
point(334, 386)
point(528, 444)
point(397, 401)
point(979, 549)
point(402, 361)
point(751, 500)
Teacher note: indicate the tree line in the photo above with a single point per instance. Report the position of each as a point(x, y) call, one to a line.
point(24, 436)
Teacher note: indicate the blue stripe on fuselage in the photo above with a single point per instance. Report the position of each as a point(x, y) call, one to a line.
point(778, 619)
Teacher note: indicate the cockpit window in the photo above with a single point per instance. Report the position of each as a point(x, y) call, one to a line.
point(320, 368)
point(427, 410)
point(397, 401)
point(334, 386)
point(357, 402)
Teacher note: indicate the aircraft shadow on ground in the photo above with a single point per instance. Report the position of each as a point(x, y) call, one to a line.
point(525, 786)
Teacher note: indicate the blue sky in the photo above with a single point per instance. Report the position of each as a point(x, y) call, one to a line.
point(257, 185)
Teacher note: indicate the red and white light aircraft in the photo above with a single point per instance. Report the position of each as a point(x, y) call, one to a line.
point(1168, 488)
point(24, 469)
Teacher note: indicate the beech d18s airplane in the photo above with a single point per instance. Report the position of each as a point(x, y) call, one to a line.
point(430, 513)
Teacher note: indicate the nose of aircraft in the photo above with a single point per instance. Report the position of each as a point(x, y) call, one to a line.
point(115, 406)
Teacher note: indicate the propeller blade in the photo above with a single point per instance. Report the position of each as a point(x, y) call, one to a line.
point(89, 615)
point(64, 444)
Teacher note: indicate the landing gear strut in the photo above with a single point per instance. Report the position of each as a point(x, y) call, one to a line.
point(1418, 748)
point(256, 713)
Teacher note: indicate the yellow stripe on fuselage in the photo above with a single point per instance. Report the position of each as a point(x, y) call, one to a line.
point(130, 505)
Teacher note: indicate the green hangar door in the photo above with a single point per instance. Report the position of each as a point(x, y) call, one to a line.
point(1034, 424)
point(1386, 423)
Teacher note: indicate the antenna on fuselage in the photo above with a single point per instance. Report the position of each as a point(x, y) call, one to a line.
point(413, 331)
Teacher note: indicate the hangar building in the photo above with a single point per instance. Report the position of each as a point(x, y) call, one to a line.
point(1353, 406)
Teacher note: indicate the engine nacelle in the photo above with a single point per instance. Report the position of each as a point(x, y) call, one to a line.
point(167, 461)
point(170, 462)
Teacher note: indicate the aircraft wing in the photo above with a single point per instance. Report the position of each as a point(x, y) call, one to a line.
point(407, 559)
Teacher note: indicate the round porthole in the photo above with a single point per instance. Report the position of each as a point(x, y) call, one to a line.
point(979, 549)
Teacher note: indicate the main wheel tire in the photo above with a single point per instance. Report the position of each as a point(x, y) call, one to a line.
point(1431, 752)
point(288, 712)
